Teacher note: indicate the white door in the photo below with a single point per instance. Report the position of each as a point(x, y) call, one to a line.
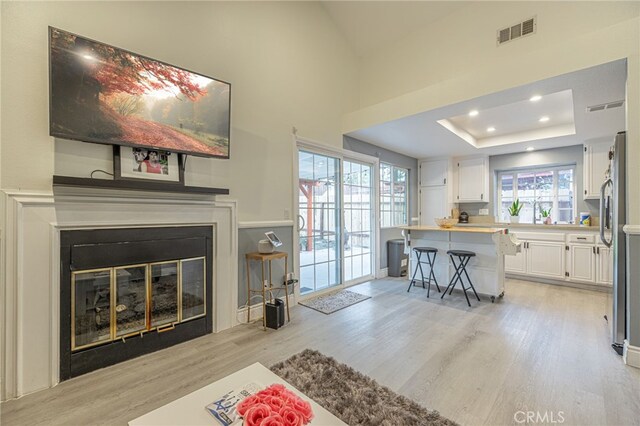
point(471, 180)
point(359, 219)
point(582, 263)
point(433, 204)
point(546, 259)
point(320, 234)
point(434, 173)
point(604, 265)
point(517, 264)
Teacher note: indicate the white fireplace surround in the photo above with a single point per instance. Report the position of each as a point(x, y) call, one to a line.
point(30, 265)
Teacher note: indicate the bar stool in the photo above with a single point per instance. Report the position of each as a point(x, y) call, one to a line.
point(464, 257)
point(431, 262)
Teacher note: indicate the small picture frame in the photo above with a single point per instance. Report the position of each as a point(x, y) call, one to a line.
point(132, 163)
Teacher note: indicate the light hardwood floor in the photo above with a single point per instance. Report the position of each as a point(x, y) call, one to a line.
point(542, 348)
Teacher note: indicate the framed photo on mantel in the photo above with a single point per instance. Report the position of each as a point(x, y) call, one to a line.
point(147, 164)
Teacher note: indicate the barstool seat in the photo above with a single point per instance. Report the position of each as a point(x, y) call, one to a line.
point(464, 256)
point(431, 260)
point(460, 253)
point(426, 249)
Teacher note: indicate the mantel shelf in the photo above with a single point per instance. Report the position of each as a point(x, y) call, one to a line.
point(135, 185)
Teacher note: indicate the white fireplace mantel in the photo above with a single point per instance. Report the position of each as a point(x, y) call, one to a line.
point(30, 265)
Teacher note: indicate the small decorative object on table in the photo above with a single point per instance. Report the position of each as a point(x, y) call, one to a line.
point(514, 211)
point(445, 222)
point(546, 215)
point(274, 406)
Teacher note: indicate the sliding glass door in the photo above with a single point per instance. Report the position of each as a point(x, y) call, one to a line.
point(320, 230)
point(357, 178)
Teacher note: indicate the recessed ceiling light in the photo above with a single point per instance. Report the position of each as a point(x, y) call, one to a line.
point(535, 98)
point(544, 119)
point(473, 113)
point(530, 148)
point(491, 129)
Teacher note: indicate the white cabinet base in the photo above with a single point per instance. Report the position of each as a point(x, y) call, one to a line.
point(486, 269)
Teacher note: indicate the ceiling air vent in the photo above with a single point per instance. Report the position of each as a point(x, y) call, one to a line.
point(602, 107)
point(518, 30)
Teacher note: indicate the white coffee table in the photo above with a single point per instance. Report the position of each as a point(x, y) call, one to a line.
point(189, 410)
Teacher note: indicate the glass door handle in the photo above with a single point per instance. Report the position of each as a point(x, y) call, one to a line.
point(300, 218)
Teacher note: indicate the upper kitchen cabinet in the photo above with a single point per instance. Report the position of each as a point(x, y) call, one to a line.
point(596, 163)
point(473, 180)
point(436, 190)
point(434, 173)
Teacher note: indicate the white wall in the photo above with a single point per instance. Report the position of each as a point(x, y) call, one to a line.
point(287, 63)
point(428, 70)
point(461, 43)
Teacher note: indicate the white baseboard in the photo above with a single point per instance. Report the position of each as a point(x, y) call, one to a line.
point(573, 284)
point(382, 273)
point(631, 354)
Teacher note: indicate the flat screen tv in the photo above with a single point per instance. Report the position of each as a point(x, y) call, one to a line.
point(103, 94)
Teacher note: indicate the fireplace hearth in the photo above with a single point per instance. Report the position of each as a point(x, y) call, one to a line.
point(127, 292)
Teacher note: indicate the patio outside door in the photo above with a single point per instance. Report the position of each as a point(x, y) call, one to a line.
point(359, 210)
point(320, 228)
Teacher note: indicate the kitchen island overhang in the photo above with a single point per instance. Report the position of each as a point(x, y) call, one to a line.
point(486, 269)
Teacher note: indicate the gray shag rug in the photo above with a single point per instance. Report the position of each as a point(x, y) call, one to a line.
point(330, 303)
point(351, 396)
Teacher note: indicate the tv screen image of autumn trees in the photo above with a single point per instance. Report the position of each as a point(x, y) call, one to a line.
point(103, 94)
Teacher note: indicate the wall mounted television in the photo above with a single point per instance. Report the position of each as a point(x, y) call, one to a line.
point(103, 94)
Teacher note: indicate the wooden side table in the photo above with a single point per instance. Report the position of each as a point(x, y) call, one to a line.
point(268, 257)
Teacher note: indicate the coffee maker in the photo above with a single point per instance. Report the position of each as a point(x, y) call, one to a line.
point(464, 217)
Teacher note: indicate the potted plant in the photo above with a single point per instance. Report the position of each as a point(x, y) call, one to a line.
point(546, 215)
point(514, 211)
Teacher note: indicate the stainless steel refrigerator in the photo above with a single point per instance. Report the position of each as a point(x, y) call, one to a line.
point(612, 219)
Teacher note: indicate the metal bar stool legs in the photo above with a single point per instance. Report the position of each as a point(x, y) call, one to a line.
point(463, 257)
point(431, 262)
point(415, 271)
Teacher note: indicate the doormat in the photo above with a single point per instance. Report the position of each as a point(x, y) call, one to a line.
point(331, 303)
point(351, 396)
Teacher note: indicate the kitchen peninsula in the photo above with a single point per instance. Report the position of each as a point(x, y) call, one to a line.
point(486, 269)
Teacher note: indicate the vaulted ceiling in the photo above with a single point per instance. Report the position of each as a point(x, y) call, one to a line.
point(368, 25)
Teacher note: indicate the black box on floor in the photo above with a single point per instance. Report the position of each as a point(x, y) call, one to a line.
point(275, 314)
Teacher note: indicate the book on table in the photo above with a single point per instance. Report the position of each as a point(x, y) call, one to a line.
point(224, 410)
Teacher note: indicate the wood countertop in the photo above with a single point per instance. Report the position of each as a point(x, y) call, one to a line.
point(469, 229)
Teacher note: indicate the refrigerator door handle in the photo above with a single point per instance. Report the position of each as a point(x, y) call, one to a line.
point(603, 214)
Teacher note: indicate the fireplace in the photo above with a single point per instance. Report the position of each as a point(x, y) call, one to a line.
point(130, 291)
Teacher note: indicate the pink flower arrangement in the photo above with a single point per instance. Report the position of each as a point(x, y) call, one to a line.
point(275, 406)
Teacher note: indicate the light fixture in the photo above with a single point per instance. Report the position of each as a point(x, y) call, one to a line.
point(535, 98)
point(89, 57)
point(544, 119)
point(530, 148)
point(491, 129)
point(473, 113)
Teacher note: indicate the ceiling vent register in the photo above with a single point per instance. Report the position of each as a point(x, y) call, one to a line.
point(521, 29)
point(602, 107)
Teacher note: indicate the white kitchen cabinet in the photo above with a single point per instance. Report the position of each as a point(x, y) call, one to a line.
point(582, 263)
point(604, 265)
point(542, 256)
point(434, 203)
point(546, 259)
point(473, 180)
point(574, 257)
point(517, 264)
point(596, 163)
point(434, 173)
point(436, 194)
